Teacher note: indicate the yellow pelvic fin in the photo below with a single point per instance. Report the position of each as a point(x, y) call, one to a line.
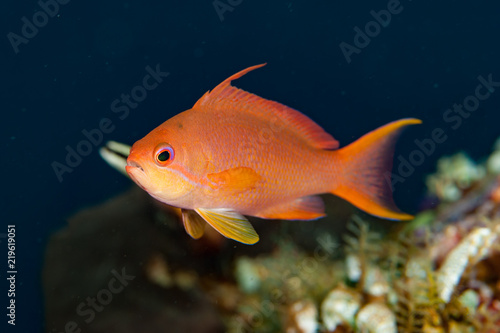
point(230, 224)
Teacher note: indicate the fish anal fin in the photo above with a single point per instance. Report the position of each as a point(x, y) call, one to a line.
point(193, 223)
point(234, 179)
point(227, 97)
point(305, 208)
point(230, 224)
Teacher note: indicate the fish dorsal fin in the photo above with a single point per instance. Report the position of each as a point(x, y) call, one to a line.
point(230, 224)
point(193, 223)
point(227, 97)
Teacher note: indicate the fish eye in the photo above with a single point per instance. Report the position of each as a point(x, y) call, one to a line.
point(164, 154)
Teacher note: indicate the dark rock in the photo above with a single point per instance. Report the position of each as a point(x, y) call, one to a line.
point(119, 238)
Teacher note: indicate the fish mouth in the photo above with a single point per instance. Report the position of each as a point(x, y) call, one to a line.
point(134, 164)
point(136, 173)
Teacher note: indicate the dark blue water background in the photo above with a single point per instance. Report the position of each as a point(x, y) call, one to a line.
point(65, 78)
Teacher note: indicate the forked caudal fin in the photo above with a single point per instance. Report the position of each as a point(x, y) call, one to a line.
point(365, 171)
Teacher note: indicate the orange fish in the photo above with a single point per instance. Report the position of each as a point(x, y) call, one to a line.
point(235, 153)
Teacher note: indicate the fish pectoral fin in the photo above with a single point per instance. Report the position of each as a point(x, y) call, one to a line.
point(193, 223)
point(305, 208)
point(234, 179)
point(230, 224)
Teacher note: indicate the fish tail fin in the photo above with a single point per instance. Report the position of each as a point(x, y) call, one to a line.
point(365, 165)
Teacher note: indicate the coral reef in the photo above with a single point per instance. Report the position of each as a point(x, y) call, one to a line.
point(454, 175)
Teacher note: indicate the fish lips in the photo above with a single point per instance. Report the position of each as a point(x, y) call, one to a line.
point(136, 172)
point(133, 164)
